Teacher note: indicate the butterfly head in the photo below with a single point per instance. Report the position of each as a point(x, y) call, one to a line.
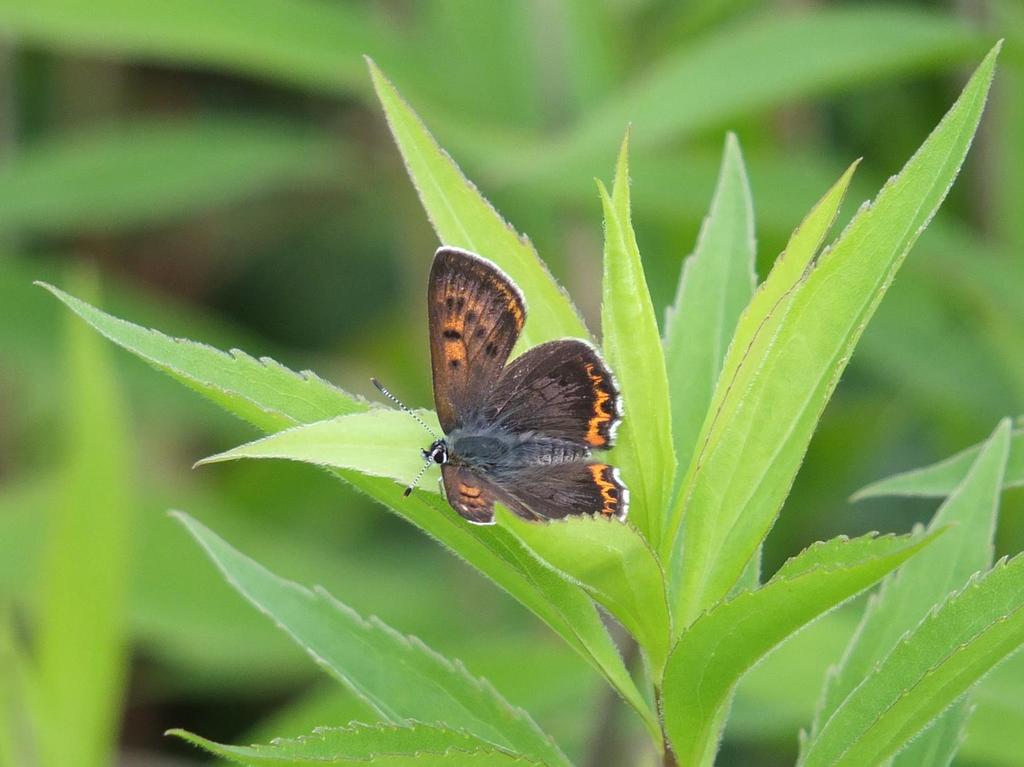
point(437, 452)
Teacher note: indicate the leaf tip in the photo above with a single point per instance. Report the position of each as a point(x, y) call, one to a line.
point(848, 173)
point(215, 458)
point(623, 158)
point(180, 516)
point(988, 64)
point(860, 495)
point(620, 186)
point(53, 289)
point(371, 65)
point(382, 86)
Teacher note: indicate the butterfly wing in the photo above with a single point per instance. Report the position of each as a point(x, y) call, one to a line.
point(561, 389)
point(566, 489)
point(469, 494)
point(538, 493)
point(476, 314)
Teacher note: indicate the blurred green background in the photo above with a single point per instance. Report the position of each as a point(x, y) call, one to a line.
point(219, 169)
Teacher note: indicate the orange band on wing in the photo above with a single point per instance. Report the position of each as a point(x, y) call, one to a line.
point(469, 491)
point(609, 492)
point(601, 415)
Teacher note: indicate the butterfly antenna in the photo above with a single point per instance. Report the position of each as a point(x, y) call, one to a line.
point(410, 411)
point(419, 476)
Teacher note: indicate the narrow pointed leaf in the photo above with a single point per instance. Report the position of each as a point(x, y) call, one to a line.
point(301, 42)
point(463, 218)
point(274, 397)
point(103, 179)
point(938, 745)
point(925, 582)
point(760, 318)
point(614, 564)
point(732, 499)
point(929, 669)
point(715, 285)
point(565, 607)
point(399, 676)
point(724, 643)
point(632, 346)
point(756, 329)
point(262, 391)
point(380, 442)
point(777, 697)
point(81, 644)
point(708, 84)
point(940, 479)
point(416, 745)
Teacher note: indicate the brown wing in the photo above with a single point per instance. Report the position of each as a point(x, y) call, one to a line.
point(560, 389)
point(562, 490)
point(476, 314)
point(538, 493)
point(469, 494)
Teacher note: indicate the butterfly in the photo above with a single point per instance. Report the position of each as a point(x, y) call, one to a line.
point(518, 433)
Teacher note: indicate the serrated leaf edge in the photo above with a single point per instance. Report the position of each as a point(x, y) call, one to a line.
point(355, 727)
point(381, 81)
point(598, 519)
point(972, 584)
point(407, 641)
point(233, 355)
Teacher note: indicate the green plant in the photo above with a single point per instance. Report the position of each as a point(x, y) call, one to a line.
point(720, 415)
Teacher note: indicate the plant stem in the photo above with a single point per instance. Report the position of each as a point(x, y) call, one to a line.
point(669, 759)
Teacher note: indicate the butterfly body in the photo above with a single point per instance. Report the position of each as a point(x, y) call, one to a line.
point(503, 454)
point(520, 433)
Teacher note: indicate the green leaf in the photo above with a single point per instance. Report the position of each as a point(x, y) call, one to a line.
point(708, 84)
point(380, 442)
point(417, 745)
point(925, 582)
point(633, 347)
point(715, 284)
point(565, 608)
point(310, 44)
point(399, 676)
point(927, 671)
point(940, 479)
point(755, 331)
point(742, 477)
point(273, 397)
point(757, 324)
point(463, 218)
point(106, 179)
point(80, 644)
point(937, 745)
point(263, 392)
point(728, 640)
point(995, 734)
point(614, 564)
point(777, 697)
point(760, 319)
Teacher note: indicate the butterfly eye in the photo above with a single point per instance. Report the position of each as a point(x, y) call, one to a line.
point(439, 452)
